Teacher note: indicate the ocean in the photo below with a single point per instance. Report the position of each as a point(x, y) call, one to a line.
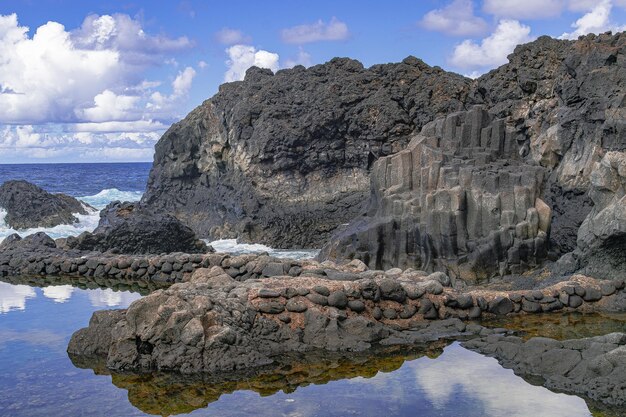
point(100, 184)
point(95, 184)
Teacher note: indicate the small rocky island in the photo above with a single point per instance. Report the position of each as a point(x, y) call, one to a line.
point(439, 202)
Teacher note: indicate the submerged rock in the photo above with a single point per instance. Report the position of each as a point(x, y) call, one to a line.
point(28, 206)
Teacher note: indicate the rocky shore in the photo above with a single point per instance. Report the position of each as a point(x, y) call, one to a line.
point(440, 201)
point(213, 323)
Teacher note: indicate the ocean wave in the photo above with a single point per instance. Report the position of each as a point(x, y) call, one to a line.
point(104, 197)
point(232, 247)
point(86, 222)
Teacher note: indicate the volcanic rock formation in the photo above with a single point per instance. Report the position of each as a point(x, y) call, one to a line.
point(480, 193)
point(283, 159)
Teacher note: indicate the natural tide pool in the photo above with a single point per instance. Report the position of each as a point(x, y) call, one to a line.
point(442, 379)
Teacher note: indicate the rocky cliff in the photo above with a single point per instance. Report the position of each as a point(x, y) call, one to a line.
point(284, 159)
point(494, 189)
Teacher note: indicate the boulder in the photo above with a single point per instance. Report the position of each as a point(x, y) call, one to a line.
point(29, 206)
point(132, 229)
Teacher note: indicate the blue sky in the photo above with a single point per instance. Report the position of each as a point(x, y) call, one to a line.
point(100, 81)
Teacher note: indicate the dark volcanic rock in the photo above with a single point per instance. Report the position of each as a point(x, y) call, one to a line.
point(129, 228)
point(29, 206)
point(474, 192)
point(284, 159)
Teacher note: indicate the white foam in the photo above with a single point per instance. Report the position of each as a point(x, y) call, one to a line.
point(86, 222)
point(231, 246)
point(104, 197)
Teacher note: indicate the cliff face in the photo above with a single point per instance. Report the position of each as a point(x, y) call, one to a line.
point(492, 190)
point(284, 159)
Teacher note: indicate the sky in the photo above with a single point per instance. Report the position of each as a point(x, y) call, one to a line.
point(101, 81)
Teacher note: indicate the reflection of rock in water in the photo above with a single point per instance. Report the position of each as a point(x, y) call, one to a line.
point(561, 326)
point(84, 283)
point(173, 393)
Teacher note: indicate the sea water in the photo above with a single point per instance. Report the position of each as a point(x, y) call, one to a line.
point(98, 185)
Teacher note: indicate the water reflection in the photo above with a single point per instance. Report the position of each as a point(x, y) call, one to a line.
point(562, 326)
point(431, 380)
point(58, 293)
point(13, 297)
point(15, 291)
point(459, 370)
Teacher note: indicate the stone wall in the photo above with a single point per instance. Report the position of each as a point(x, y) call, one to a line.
point(214, 323)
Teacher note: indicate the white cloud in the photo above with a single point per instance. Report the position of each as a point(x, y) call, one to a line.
point(162, 104)
point(110, 106)
point(38, 69)
point(107, 55)
point(57, 83)
point(587, 5)
point(597, 20)
point(303, 58)
point(526, 9)
point(202, 64)
point(228, 36)
point(121, 33)
point(84, 142)
point(182, 82)
point(335, 30)
point(242, 57)
point(129, 126)
point(493, 50)
point(13, 297)
point(456, 19)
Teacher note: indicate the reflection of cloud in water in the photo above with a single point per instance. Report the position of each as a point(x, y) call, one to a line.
point(33, 337)
point(13, 297)
point(58, 293)
point(501, 392)
point(110, 298)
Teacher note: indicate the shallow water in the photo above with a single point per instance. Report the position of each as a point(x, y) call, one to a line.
point(38, 378)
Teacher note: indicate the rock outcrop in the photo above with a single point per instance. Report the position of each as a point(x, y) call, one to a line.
point(213, 323)
point(28, 206)
point(131, 229)
point(476, 193)
point(284, 159)
point(602, 236)
point(458, 199)
point(594, 367)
